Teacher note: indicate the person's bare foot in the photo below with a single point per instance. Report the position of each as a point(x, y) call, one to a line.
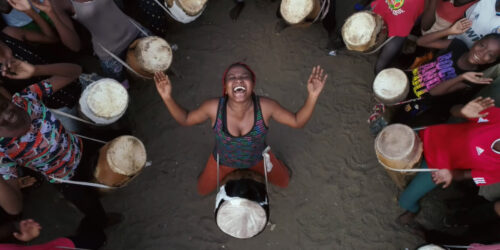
point(406, 218)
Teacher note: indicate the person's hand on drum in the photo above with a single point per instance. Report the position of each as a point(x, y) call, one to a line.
point(163, 85)
point(316, 81)
point(474, 108)
point(460, 26)
point(26, 181)
point(475, 77)
point(28, 230)
point(20, 5)
point(442, 176)
point(18, 70)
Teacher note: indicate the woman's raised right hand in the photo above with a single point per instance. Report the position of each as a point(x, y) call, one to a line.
point(476, 77)
point(163, 85)
point(460, 26)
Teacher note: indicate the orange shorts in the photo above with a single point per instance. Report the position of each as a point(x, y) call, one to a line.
point(207, 182)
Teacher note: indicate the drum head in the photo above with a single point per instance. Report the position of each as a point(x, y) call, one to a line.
point(153, 54)
point(192, 7)
point(360, 30)
point(107, 98)
point(395, 142)
point(295, 11)
point(126, 155)
point(430, 247)
point(391, 86)
point(241, 218)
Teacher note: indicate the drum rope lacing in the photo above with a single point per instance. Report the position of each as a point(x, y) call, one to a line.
point(325, 7)
point(408, 170)
point(118, 59)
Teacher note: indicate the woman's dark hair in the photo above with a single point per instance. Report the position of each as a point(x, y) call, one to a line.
point(236, 64)
point(5, 7)
point(495, 36)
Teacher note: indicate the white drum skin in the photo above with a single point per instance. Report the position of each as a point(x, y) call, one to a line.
point(391, 86)
point(104, 101)
point(296, 11)
point(186, 11)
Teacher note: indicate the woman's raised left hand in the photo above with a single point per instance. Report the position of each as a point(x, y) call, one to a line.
point(316, 81)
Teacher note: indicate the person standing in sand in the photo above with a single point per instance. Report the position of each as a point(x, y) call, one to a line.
point(239, 120)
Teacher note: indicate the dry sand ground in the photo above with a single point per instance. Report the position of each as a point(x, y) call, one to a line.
point(338, 198)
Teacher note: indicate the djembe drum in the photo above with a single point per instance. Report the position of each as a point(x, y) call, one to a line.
point(104, 101)
point(119, 161)
point(149, 55)
point(185, 11)
point(364, 31)
point(397, 146)
point(242, 205)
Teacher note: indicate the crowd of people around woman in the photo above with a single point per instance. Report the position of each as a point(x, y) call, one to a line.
point(448, 50)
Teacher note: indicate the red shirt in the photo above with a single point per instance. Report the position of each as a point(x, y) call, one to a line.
point(466, 145)
point(449, 12)
point(56, 244)
point(399, 15)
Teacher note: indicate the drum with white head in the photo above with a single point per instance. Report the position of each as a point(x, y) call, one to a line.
point(104, 101)
point(185, 11)
point(149, 55)
point(391, 86)
point(430, 247)
point(364, 31)
point(120, 160)
point(398, 146)
point(298, 11)
point(242, 206)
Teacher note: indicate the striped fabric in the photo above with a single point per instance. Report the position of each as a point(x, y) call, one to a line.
point(244, 151)
point(46, 148)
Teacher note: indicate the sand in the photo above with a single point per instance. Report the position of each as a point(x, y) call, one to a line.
point(338, 197)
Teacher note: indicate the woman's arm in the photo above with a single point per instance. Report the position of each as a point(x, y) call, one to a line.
point(458, 83)
point(438, 39)
point(47, 36)
point(61, 73)
point(315, 85)
point(207, 110)
point(429, 14)
point(67, 33)
point(11, 198)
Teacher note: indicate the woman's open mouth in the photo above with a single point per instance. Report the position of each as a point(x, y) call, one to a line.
point(239, 90)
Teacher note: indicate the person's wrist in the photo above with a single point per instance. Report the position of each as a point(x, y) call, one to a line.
point(30, 12)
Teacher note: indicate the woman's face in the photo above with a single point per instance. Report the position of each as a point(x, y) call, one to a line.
point(484, 51)
point(239, 84)
point(14, 121)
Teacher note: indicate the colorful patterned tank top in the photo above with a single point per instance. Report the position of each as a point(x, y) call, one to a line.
point(244, 151)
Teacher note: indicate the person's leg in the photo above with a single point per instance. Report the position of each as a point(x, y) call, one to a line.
point(330, 25)
point(477, 215)
point(89, 236)
point(389, 52)
point(279, 175)
point(86, 199)
point(207, 181)
point(420, 185)
point(492, 72)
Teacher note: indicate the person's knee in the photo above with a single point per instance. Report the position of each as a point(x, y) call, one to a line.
point(497, 207)
point(408, 203)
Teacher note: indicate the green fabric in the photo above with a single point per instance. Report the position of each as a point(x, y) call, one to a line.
point(34, 27)
point(420, 185)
